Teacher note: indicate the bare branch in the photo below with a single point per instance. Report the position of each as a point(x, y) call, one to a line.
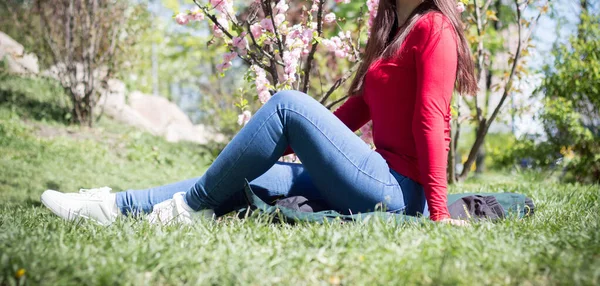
point(262, 51)
point(331, 105)
point(339, 82)
point(311, 55)
point(269, 10)
point(480, 67)
point(251, 59)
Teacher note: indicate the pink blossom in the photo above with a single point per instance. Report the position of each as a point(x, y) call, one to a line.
point(315, 6)
point(262, 84)
point(227, 57)
point(244, 117)
point(197, 17)
point(182, 19)
point(372, 7)
point(329, 18)
point(281, 7)
point(267, 24)
point(329, 44)
point(367, 132)
point(290, 61)
point(279, 18)
point(339, 45)
point(223, 6)
point(222, 67)
point(196, 14)
point(256, 30)
point(240, 43)
point(341, 53)
point(307, 36)
point(460, 7)
point(217, 31)
point(264, 96)
point(283, 29)
point(342, 1)
point(224, 23)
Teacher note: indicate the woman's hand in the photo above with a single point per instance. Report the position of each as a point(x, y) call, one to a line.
point(458, 222)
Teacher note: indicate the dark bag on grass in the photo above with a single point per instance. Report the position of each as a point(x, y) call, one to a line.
point(466, 206)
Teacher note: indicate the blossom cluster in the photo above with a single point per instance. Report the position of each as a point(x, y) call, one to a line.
point(339, 45)
point(262, 84)
point(227, 58)
point(270, 33)
point(372, 6)
point(194, 15)
point(244, 117)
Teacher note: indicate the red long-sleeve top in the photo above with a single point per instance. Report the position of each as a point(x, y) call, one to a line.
point(407, 97)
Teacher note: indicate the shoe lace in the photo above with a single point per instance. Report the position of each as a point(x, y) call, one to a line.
point(95, 192)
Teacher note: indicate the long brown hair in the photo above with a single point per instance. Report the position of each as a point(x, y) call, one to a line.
point(383, 42)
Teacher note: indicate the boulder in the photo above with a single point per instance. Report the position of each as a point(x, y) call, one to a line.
point(158, 110)
point(154, 114)
point(17, 60)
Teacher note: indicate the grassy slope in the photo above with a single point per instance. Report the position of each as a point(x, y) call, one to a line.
point(559, 245)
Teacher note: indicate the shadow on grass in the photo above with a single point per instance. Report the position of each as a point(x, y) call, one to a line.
point(36, 98)
point(36, 203)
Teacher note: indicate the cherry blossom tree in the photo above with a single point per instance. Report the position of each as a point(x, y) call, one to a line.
point(280, 51)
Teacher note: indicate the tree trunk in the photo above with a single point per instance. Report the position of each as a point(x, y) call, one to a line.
point(479, 139)
point(584, 10)
point(452, 162)
point(480, 160)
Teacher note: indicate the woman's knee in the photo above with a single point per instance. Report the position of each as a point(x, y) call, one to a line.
point(289, 96)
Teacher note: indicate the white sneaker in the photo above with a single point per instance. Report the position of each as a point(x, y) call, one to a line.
point(176, 210)
point(98, 205)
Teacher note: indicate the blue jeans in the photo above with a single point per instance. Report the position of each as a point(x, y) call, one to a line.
point(337, 167)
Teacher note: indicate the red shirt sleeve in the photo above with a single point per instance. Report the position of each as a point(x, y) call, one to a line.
point(436, 63)
point(354, 113)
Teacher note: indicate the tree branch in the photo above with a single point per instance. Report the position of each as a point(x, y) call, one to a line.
point(480, 68)
point(329, 106)
point(251, 59)
point(339, 82)
point(313, 50)
point(269, 9)
point(262, 51)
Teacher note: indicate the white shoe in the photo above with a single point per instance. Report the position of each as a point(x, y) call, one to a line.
point(98, 205)
point(176, 210)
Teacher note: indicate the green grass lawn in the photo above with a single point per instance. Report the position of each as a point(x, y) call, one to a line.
point(560, 244)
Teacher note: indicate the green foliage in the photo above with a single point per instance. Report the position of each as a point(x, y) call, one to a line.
point(576, 70)
point(571, 115)
point(569, 145)
point(497, 145)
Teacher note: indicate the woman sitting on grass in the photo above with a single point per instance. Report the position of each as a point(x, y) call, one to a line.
point(415, 57)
